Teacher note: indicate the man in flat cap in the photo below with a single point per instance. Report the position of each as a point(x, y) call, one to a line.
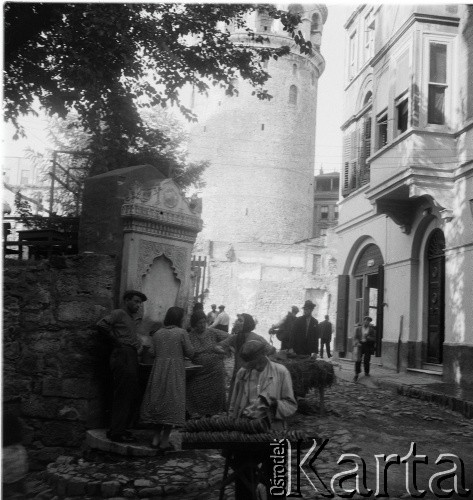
point(305, 332)
point(212, 315)
point(222, 321)
point(121, 328)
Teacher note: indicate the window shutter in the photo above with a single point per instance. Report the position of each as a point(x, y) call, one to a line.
point(380, 310)
point(346, 164)
point(341, 331)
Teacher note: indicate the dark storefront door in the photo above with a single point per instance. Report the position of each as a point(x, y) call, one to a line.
point(436, 297)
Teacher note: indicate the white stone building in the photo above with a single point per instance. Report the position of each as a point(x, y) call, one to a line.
point(405, 252)
point(258, 199)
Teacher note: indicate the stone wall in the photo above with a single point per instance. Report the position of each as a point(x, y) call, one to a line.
point(54, 362)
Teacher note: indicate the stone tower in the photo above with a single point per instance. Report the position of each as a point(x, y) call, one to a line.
point(258, 199)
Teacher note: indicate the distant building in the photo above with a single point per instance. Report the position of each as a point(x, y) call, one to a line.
point(326, 194)
point(20, 174)
point(406, 218)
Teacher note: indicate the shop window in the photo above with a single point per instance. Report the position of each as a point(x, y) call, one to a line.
point(437, 83)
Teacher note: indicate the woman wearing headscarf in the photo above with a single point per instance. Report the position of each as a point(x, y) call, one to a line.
point(245, 333)
point(164, 402)
point(205, 393)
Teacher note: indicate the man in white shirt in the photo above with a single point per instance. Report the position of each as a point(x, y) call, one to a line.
point(222, 321)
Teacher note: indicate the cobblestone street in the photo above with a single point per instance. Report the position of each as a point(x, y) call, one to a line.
point(360, 419)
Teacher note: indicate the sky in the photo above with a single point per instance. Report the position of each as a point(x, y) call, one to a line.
point(329, 102)
point(328, 140)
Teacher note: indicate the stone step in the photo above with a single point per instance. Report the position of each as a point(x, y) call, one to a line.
point(432, 367)
point(97, 439)
point(422, 371)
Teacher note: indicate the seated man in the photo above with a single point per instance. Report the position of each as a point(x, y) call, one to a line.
point(262, 389)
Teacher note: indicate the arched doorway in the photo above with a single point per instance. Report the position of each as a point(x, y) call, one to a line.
point(435, 256)
point(368, 274)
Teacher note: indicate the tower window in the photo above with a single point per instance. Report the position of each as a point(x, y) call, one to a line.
point(314, 26)
point(312, 78)
point(293, 95)
point(294, 69)
point(262, 126)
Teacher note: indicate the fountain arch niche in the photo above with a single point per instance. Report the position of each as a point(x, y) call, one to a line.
point(161, 286)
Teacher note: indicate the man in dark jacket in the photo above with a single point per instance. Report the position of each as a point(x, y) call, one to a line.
point(283, 329)
point(325, 331)
point(305, 338)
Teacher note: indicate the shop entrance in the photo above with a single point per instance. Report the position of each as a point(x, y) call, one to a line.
point(369, 288)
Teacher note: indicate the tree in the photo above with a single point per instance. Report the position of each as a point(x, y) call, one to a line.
point(72, 163)
point(106, 61)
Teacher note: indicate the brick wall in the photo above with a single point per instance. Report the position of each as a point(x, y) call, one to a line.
point(54, 363)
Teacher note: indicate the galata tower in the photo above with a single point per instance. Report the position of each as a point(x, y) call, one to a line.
point(258, 197)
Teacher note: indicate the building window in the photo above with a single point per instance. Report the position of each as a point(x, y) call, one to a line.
point(402, 111)
point(382, 123)
point(323, 185)
point(314, 26)
point(324, 212)
point(368, 41)
point(352, 56)
point(293, 95)
point(335, 212)
point(437, 83)
point(265, 22)
point(294, 69)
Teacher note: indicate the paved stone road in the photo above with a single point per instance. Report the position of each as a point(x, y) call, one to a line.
point(360, 419)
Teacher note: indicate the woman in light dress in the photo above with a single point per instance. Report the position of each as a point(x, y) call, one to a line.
point(164, 402)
